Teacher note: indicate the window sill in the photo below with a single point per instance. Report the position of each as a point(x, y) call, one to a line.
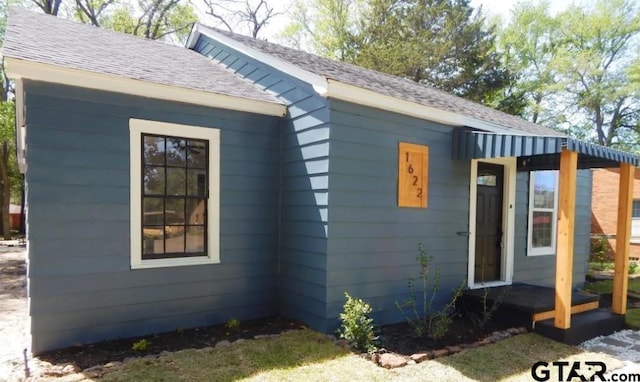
point(176, 262)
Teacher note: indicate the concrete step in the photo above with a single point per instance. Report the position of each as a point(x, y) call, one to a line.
point(584, 326)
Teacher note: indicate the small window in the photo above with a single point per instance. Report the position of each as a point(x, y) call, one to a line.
point(174, 194)
point(635, 213)
point(543, 213)
point(635, 221)
point(487, 180)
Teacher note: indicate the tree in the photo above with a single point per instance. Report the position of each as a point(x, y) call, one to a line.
point(529, 47)
point(442, 43)
point(50, 7)
point(578, 70)
point(599, 46)
point(252, 14)
point(8, 165)
point(91, 11)
point(153, 19)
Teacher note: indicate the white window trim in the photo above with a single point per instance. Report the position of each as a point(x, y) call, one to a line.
point(137, 127)
point(542, 251)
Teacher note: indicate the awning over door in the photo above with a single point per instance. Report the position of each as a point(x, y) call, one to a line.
point(535, 152)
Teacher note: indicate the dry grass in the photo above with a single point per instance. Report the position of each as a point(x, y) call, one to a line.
point(310, 356)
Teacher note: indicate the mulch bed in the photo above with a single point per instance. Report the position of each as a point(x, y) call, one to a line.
point(399, 339)
point(101, 353)
point(402, 340)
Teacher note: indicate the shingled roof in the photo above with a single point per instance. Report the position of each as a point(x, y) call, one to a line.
point(385, 84)
point(54, 41)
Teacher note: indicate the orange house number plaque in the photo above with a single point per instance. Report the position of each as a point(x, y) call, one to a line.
point(413, 173)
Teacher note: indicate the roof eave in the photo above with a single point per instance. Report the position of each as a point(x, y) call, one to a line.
point(319, 83)
point(25, 69)
point(360, 96)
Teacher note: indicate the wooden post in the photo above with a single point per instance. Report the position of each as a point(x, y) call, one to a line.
point(623, 235)
point(566, 224)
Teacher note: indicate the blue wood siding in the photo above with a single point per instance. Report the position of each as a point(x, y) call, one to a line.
point(304, 183)
point(540, 270)
point(372, 242)
point(81, 287)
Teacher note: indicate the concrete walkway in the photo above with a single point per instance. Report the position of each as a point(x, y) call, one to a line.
point(623, 345)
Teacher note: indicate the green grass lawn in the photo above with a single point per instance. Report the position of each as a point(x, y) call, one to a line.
point(605, 286)
point(309, 356)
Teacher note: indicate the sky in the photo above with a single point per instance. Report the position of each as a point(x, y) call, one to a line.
point(490, 7)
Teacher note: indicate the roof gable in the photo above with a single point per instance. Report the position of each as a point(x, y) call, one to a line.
point(314, 69)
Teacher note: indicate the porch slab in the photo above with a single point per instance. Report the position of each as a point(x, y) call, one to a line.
point(522, 304)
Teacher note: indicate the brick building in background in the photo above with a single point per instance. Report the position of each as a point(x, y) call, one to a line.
point(604, 208)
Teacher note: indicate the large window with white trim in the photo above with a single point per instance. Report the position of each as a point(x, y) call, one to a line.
point(174, 194)
point(543, 212)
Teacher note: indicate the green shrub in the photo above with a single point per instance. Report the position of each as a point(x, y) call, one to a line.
point(429, 322)
point(141, 345)
point(633, 267)
point(232, 326)
point(357, 326)
point(600, 251)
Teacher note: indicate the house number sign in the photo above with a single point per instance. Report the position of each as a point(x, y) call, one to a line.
point(413, 174)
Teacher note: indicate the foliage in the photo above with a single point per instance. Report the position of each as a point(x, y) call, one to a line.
point(578, 70)
point(482, 318)
point(141, 345)
point(428, 321)
point(232, 326)
point(153, 19)
point(442, 43)
point(633, 267)
point(600, 251)
point(357, 326)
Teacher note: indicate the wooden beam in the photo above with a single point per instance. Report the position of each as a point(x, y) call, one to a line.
point(566, 224)
point(587, 306)
point(623, 235)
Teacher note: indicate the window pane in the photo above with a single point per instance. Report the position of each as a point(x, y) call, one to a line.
point(174, 239)
point(174, 210)
point(486, 180)
point(153, 180)
point(176, 184)
point(152, 210)
point(542, 229)
point(176, 152)
point(196, 183)
point(195, 211)
point(544, 189)
point(152, 241)
point(636, 209)
point(153, 150)
point(197, 151)
point(195, 239)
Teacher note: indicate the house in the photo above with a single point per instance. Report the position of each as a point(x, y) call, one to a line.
point(172, 187)
point(605, 207)
point(15, 214)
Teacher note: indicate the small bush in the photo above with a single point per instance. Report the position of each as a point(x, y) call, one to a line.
point(357, 326)
point(141, 345)
point(428, 321)
point(633, 267)
point(600, 251)
point(232, 326)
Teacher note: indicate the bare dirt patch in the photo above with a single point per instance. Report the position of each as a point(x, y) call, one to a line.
point(14, 320)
